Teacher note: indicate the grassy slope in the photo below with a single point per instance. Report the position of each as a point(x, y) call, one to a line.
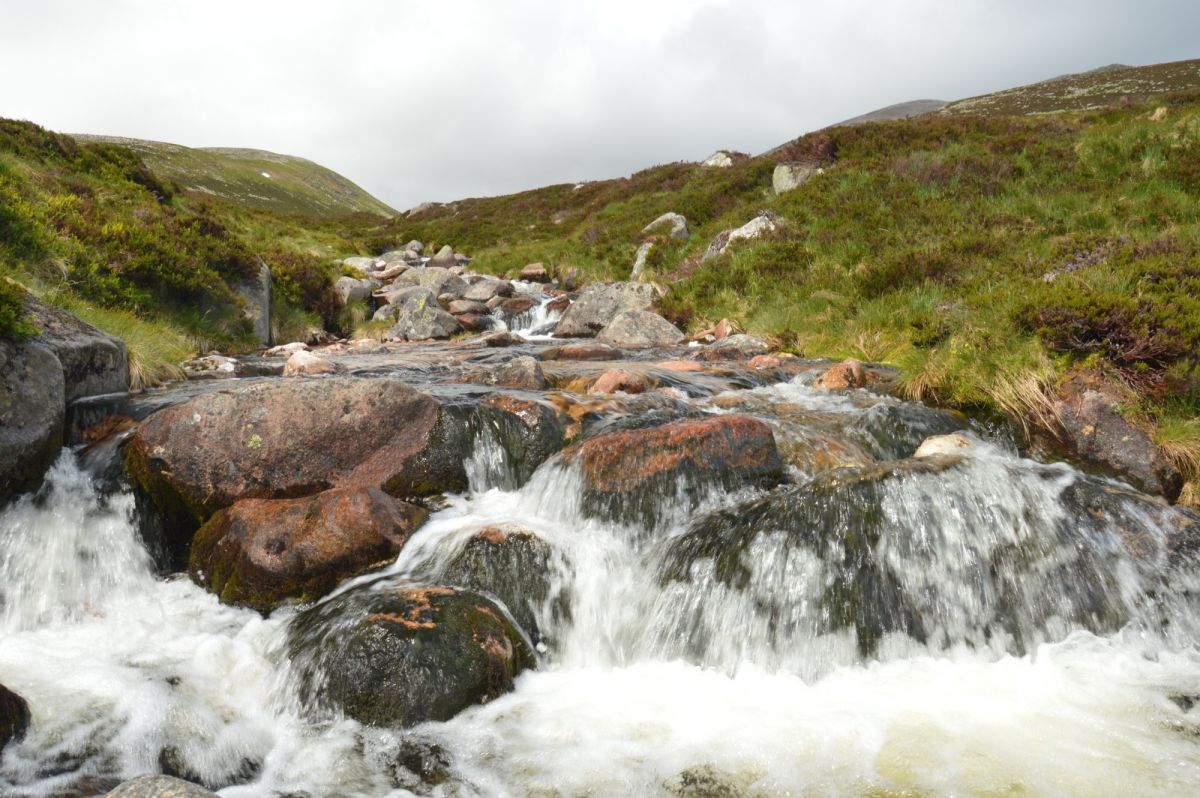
point(289, 185)
point(87, 225)
point(925, 244)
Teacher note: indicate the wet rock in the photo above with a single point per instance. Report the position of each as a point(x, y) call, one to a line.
point(705, 781)
point(754, 228)
point(518, 305)
point(444, 259)
point(1096, 432)
point(843, 376)
point(502, 338)
point(598, 304)
point(535, 273)
point(486, 289)
point(14, 717)
point(32, 414)
point(521, 372)
point(286, 350)
point(581, 351)
point(419, 319)
point(790, 176)
point(438, 280)
point(460, 306)
point(402, 655)
point(528, 432)
point(515, 566)
point(174, 762)
point(559, 303)
point(615, 380)
point(680, 365)
point(738, 346)
point(420, 764)
point(393, 298)
point(894, 430)
point(304, 363)
point(211, 366)
point(627, 474)
point(284, 439)
point(350, 290)
point(766, 362)
point(640, 328)
point(155, 786)
point(675, 221)
point(476, 322)
point(260, 553)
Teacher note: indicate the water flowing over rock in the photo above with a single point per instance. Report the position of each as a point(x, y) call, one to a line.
point(14, 716)
point(405, 655)
point(640, 329)
point(523, 371)
point(598, 304)
point(615, 380)
point(628, 474)
point(159, 787)
point(260, 553)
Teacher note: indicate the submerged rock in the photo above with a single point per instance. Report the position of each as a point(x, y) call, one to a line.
point(14, 716)
point(628, 474)
point(640, 328)
point(615, 380)
point(159, 787)
point(260, 553)
point(402, 655)
point(598, 304)
point(523, 371)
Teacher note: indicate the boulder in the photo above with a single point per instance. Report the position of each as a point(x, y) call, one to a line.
point(415, 246)
point(476, 322)
point(738, 346)
point(615, 380)
point(391, 271)
point(260, 553)
point(598, 304)
point(351, 290)
point(364, 265)
point(640, 328)
point(843, 376)
point(418, 317)
point(1092, 427)
point(721, 159)
point(459, 306)
point(393, 256)
point(93, 362)
point(789, 176)
point(443, 259)
point(951, 445)
point(581, 351)
point(392, 298)
point(517, 305)
point(754, 228)
point(626, 474)
point(401, 655)
point(32, 414)
point(515, 566)
point(288, 438)
point(675, 221)
point(287, 350)
point(159, 787)
point(521, 372)
point(639, 260)
point(437, 280)
point(14, 717)
point(304, 363)
point(486, 289)
point(535, 273)
point(256, 294)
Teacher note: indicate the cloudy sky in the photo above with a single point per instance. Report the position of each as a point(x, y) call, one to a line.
point(439, 99)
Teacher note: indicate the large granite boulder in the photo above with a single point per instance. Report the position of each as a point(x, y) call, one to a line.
point(261, 553)
point(598, 304)
point(399, 655)
point(351, 290)
point(627, 474)
point(487, 288)
point(790, 176)
point(32, 413)
point(437, 279)
point(417, 318)
point(93, 362)
point(635, 329)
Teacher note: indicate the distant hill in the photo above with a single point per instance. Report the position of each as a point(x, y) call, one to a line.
point(255, 178)
point(897, 111)
point(1097, 88)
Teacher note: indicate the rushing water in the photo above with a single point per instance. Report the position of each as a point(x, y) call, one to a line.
point(970, 627)
point(539, 321)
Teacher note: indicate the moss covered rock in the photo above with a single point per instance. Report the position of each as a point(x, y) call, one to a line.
point(390, 655)
point(262, 552)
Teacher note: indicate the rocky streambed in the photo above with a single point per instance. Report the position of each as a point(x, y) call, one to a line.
point(527, 565)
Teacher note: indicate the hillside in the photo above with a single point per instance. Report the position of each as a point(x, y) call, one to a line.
point(254, 178)
point(1097, 88)
point(896, 111)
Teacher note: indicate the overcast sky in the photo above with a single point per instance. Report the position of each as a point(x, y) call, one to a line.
point(440, 99)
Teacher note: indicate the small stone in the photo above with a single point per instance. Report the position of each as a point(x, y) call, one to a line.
point(845, 375)
point(307, 364)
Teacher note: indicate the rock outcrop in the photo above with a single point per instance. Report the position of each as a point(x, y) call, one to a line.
point(402, 655)
point(756, 227)
point(676, 222)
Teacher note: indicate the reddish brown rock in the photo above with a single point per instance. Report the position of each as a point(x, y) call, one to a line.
point(615, 380)
point(518, 305)
point(845, 375)
point(475, 322)
point(261, 553)
point(559, 303)
point(624, 472)
point(535, 273)
point(582, 351)
point(680, 365)
point(458, 307)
